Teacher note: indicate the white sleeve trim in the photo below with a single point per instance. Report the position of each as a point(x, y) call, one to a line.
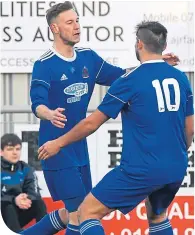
point(100, 69)
point(40, 81)
point(189, 97)
point(117, 98)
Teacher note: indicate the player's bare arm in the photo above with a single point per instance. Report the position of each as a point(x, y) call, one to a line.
point(170, 58)
point(189, 129)
point(83, 129)
point(56, 116)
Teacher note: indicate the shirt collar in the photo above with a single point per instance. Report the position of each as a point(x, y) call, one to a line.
point(63, 57)
point(153, 61)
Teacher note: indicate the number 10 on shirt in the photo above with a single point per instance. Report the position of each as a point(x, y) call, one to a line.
point(165, 87)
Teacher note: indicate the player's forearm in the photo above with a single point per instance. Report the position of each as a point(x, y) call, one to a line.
point(43, 112)
point(83, 129)
point(189, 130)
point(80, 131)
point(189, 138)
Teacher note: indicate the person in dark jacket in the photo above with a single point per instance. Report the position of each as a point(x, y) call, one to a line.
point(20, 194)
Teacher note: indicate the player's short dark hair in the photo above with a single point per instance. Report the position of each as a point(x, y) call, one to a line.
point(10, 140)
point(56, 9)
point(153, 35)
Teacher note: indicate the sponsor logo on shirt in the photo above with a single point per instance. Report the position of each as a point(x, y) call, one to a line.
point(6, 178)
point(4, 189)
point(77, 90)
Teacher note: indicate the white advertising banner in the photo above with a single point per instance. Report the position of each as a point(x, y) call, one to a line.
point(107, 27)
point(105, 148)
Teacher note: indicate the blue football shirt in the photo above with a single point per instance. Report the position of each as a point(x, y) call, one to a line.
point(68, 83)
point(154, 101)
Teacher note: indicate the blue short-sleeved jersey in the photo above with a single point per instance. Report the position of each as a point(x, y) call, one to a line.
point(68, 83)
point(154, 101)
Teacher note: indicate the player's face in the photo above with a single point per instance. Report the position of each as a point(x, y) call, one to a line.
point(12, 153)
point(68, 27)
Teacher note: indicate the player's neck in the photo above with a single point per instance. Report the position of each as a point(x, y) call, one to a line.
point(148, 57)
point(63, 49)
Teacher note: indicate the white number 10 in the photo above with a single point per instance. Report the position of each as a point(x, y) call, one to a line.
point(161, 104)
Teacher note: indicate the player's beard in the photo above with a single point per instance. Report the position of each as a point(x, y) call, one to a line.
point(137, 54)
point(66, 41)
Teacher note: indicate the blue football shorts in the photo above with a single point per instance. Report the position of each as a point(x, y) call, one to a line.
point(69, 185)
point(119, 190)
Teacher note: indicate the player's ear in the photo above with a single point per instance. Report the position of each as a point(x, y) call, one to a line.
point(54, 28)
point(140, 44)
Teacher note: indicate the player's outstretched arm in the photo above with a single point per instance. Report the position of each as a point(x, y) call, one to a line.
point(170, 58)
point(83, 129)
point(189, 129)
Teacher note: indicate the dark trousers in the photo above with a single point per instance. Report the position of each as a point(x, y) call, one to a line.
point(15, 218)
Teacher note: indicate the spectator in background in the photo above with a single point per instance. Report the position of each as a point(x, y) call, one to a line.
point(20, 194)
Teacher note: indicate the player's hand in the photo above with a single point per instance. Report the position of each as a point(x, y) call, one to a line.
point(171, 59)
point(57, 118)
point(48, 149)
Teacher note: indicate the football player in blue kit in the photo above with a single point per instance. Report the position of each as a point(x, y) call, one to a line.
point(156, 105)
point(63, 80)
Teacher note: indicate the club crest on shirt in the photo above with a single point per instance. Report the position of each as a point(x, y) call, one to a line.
point(85, 72)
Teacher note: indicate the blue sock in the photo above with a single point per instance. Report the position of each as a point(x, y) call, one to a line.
point(72, 230)
point(48, 225)
point(91, 227)
point(163, 228)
